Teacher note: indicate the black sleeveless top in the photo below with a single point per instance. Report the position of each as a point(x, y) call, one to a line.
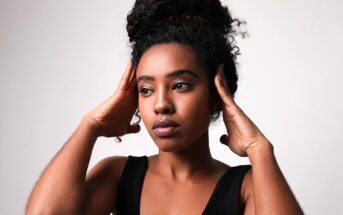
point(224, 199)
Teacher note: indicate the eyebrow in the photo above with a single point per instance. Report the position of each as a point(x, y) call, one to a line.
point(169, 75)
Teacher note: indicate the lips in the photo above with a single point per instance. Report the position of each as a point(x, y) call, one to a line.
point(164, 123)
point(165, 128)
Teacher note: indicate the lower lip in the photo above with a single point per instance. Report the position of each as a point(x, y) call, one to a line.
point(166, 131)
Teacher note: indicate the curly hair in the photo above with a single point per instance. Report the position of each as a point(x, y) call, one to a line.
point(205, 26)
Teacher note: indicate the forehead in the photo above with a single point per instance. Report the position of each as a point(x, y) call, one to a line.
point(163, 58)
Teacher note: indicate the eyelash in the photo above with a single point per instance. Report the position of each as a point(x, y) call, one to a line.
point(182, 83)
point(141, 90)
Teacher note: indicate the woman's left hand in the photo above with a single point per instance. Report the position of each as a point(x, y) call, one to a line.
point(243, 135)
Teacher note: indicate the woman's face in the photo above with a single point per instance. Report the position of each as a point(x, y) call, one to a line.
point(173, 86)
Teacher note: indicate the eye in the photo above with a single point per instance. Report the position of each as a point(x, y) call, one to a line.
point(144, 91)
point(182, 86)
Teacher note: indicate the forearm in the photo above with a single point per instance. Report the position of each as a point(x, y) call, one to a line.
point(272, 195)
point(61, 188)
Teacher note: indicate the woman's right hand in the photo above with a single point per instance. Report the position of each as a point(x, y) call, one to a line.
point(112, 117)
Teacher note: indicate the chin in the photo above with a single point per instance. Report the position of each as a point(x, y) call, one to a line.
point(170, 145)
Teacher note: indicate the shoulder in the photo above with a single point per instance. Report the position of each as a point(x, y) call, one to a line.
point(111, 166)
point(241, 177)
point(101, 185)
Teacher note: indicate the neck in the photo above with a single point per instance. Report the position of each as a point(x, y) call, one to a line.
point(183, 164)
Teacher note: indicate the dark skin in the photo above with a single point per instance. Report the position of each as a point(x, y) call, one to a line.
point(184, 167)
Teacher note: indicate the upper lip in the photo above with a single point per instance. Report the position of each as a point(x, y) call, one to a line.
point(164, 123)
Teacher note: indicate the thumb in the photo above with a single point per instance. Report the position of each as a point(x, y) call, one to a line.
point(225, 140)
point(134, 128)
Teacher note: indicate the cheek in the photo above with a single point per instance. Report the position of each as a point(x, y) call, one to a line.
point(142, 107)
point(195, 107)
point(146, 110)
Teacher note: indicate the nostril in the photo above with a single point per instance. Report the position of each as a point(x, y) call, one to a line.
point(166, 111)
point(164, 106)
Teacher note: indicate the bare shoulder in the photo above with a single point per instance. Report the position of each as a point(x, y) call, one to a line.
point(247, 195)
point(101, 185)
point(110, 166)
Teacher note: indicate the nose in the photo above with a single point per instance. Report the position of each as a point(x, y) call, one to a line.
point(164, 104)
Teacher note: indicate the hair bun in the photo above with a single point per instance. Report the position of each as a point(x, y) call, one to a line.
point(146, 15)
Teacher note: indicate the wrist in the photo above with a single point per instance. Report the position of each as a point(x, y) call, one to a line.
point(263, 147)
point(89, 124)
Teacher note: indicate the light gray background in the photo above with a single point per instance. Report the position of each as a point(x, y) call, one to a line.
point(59, 59)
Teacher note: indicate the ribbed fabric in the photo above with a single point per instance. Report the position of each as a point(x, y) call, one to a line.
point(224, 199)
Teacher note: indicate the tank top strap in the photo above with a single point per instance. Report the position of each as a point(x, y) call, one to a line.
point(226, 195)
point(130, 184)
point(224, 199)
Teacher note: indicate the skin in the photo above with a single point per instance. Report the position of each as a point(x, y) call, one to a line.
point(181, 98)
point(183, 168)
point(184, 161)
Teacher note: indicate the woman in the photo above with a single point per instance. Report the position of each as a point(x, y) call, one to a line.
point(182, 74)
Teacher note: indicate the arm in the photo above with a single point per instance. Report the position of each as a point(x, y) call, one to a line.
point(63, 187)
point(101, 185)
point(267, 189)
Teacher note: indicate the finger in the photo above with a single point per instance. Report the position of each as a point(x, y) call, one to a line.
point(125, 80)
point(133, 74)
point(222, 87)
point(133, 80)
point(134, 128)
point(225, 140)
